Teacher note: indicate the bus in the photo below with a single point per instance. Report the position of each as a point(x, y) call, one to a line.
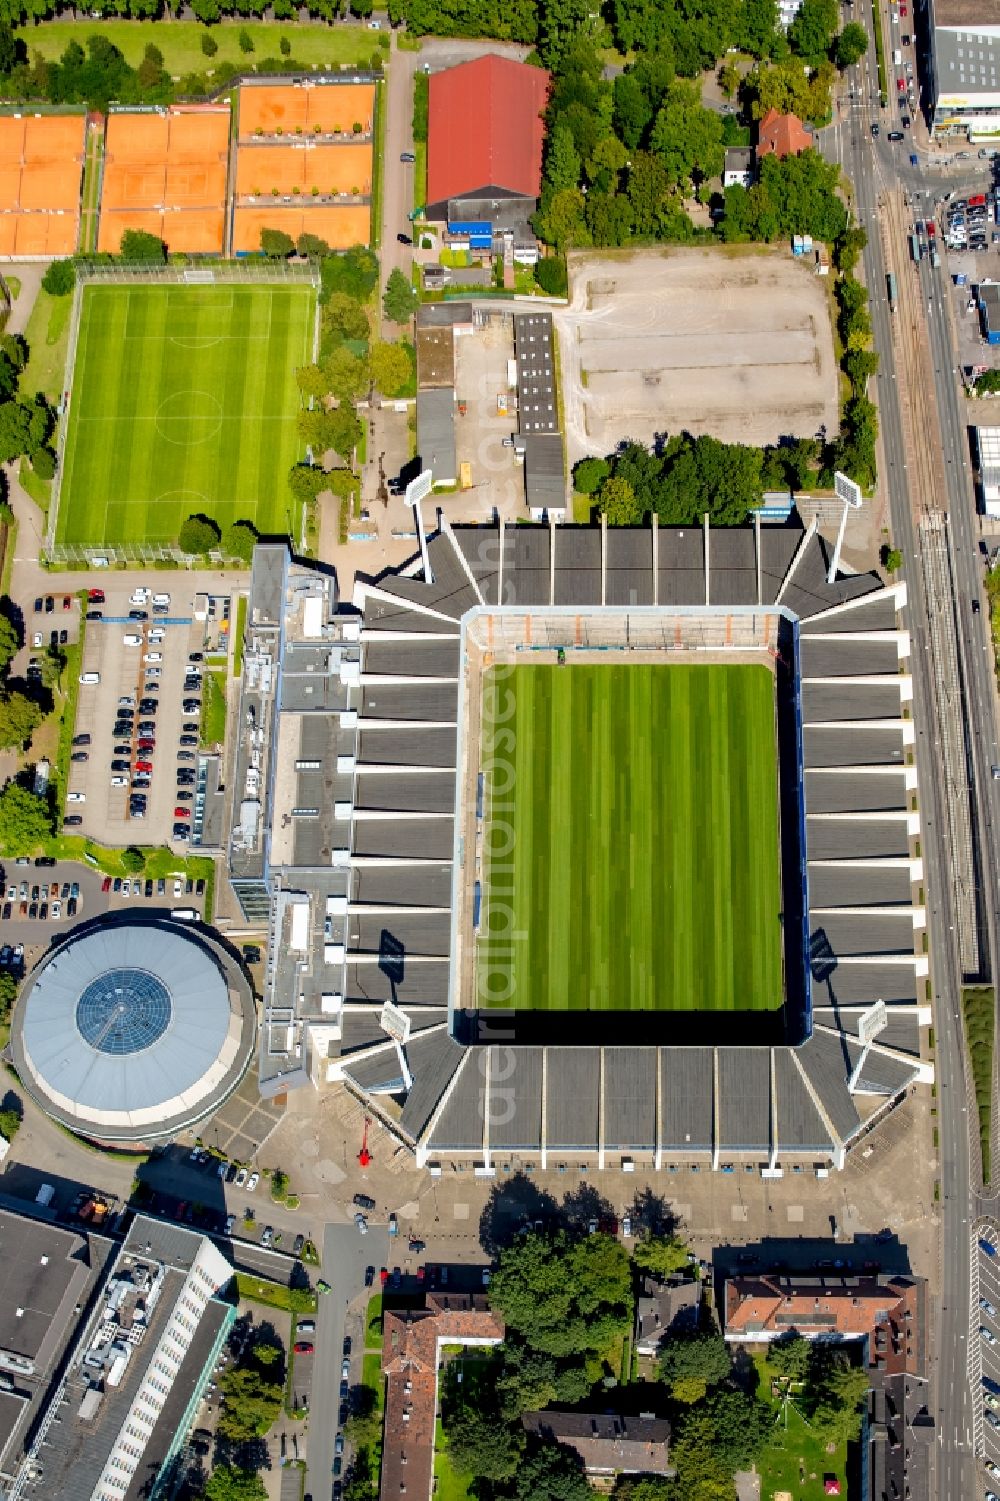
point(890, 283)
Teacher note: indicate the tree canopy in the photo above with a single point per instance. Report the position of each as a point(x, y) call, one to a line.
point(10, 636)
point(139, 245)
point(60, 278)
point(228, 1483)
point(198, 535)
point(399, 300)
point(25, 820)
point(20, 716)
point(663, 1255)
point(391, 368)
point(564, 1296)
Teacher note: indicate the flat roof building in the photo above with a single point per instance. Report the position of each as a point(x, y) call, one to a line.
point(963, 78)
point(130, 1389)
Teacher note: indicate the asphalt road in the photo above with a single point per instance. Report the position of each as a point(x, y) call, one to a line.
point(871, 166)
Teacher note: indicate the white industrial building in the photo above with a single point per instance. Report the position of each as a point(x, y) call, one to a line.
point(964, 68)
point(988, 451)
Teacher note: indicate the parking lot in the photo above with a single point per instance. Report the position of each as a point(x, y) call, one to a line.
point(984, 1349)
point(135, 751)
point(729, 343)
point(481, 365)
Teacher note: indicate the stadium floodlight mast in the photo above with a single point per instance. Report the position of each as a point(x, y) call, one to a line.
point(416, 491)
point(870, 1024)
point(846, 490)
point(396, 1024)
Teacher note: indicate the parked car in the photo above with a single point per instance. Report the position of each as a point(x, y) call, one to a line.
point(303, 1347)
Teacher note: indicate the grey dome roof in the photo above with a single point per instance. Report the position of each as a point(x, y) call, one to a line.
point(129, 1027)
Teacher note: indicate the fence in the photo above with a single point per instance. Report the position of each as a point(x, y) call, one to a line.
point(213, 273)
point(124, 555)
point(593, 628)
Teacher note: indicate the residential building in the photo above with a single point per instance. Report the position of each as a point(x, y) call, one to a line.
point(963, 68)
point(608, 1443)
point(127, 1395)
point(664, 1308)
point(412, 1344)
point(738, 169)
point(484, 150)
point(781, 136)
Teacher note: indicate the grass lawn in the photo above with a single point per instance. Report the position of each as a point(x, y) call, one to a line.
point(978, 1007)
point(371, 1376)
point(272, 1294)
point(183, 402)
point(180, 41)
point(795, 1460)
point(637, 840)
point(47, 334)
point(450, 1484)
point(213, 708)
point(241, 625)
point(373, 1323)
point(40, 490)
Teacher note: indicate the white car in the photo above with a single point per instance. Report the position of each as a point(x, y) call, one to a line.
point(361, 1223)
point(139, 597)
point(119, 781)
point(76, 797)
point(56, 910)
point(988, 1307)
point(252, 1182)
point(127, 886)
point(37, 639)
point(987, 1335)
point(156, 635)
point(627, 1226)
point(161, 599)
point(993, 1469)
point(178, 888)
point(241, 1177)
point(153, 656)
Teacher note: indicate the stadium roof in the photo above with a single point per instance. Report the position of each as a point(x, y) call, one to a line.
point(485, 129)
point(132, 1029)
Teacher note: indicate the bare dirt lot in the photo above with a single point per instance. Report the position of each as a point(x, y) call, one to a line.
point(729, 342)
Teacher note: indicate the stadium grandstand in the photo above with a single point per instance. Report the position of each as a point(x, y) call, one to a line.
point(41, 172)
point(355, 817)
point(165, 172)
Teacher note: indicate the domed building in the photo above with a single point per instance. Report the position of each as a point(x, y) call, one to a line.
point(132, 1030)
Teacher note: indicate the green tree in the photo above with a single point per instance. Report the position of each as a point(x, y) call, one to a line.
point(279, 1185)
point(250, 1403)
point(8, 995)
point(208, 44)
point(790, 1357)
point(589, 475)
point(25, 820)
point(353, 272)
point(702, 1356)
point(10, 1120)
point(892, 559)
point(276, 244)
point(550, 274)
point(560, 23)
point(15, 428)
point(306, 481)
point(43, 462)
point(228, 1483)
point(60, 278)
point(20, 716)
point(364, 1425)
point(53, 664)
point(560, 220)
point(662, 1255)
point(564, 1297)
point(562, 160)
point(616, 500)
point(138, 245)
point(687, 137)
point(479, 1443)
point(239, 540)
point(851, 45)
point(552, 1473)
point(8, 48)
point(132, 860)
point(399, 300)
point(10, 636)
point(344, 318)
point(198, 535)
point(245, 40)
point(835, 1395)
point(311, 245)
point(391, 370)
point(324, 429)
point(346, 374)
point(812, 31)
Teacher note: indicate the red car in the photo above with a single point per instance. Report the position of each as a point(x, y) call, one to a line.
point(303, 1347)
point(900, 84)
point(383, 1276)
point(902, 10)
point(182, 812)
point(67, 601)
point(144, 766)
point(95, 596)
point(147, 745)
point(106, 884)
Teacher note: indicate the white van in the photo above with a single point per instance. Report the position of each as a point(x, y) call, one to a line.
point(130, 639)
point(90, 677)
point(161, 599)
point(897, 58)
point(153, 656)
point(76, 797)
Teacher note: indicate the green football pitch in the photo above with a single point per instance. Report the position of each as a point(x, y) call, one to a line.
point(632, 843)
point(183, 401)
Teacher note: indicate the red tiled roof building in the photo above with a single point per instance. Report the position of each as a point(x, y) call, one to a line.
point(484, 140)
point(781, 136)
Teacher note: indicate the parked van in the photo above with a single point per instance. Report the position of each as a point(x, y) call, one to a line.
point(897, 58)
point(90, 677)
point(130, 639)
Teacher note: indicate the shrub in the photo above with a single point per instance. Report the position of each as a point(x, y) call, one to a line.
point(59, 279)
point(208, 44)
point(43, 462)
point(357, 127)
point(550, 274)
point(284, 46)
point(245, 40)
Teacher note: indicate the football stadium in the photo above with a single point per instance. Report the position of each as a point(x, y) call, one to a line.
point(600, 847)
point(182, 401)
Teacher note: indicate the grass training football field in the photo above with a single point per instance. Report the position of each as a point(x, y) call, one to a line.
point(183, 401)
point(632, 839)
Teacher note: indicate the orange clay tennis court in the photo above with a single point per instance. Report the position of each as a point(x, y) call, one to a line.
point(329, 108)
point(340, 226)
point(165, 173)
point(41, 168)
point(331, 169)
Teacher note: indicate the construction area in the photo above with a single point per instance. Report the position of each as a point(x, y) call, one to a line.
point(731, 342)
point(41, 170)
point(165, 173)
point(304, 163)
